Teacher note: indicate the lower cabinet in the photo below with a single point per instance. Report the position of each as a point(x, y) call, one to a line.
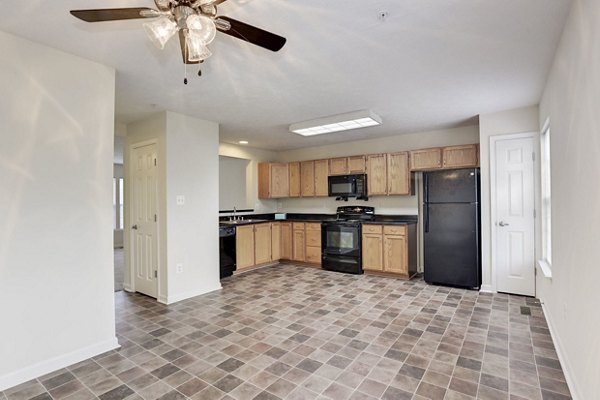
point(298, 242)
point(257, 244)
point(313, 243)
point(286, 241)
point(390, 249)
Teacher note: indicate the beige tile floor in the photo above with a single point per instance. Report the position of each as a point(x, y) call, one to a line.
point(288, 332)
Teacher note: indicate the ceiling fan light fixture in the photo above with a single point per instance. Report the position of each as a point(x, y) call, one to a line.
point(196, 48)
point(202, 27)
point(160, 31)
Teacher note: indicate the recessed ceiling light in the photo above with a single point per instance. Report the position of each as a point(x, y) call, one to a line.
point(243, 142)
point(336, 123)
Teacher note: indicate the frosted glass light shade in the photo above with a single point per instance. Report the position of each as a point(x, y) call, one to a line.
point(160, 31)
point(196, 48)
point(203, 27)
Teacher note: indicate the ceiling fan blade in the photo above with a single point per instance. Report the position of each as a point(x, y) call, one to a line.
point(253, 35)
point(110, 14)
point(183, 52)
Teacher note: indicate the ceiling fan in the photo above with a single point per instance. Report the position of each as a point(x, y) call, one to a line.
point(195, 21)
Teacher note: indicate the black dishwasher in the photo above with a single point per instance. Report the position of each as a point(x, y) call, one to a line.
point(227, 250)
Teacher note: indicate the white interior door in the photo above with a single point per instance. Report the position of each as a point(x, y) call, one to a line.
point(144, 229)
point(513, 219)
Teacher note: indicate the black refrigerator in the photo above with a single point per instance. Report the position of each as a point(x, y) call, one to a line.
point(451, 228)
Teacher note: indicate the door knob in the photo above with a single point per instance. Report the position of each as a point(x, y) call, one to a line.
point(134, 227)
point(502, 223)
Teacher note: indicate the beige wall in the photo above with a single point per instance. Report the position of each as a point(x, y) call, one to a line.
point(56, 261)
point(407, 205)
point(571, 297)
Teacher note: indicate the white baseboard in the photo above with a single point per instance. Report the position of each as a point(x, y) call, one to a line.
point(184, 296)
point(127, 287)
point(486, 289)
point(44, 367)
point(564, 360)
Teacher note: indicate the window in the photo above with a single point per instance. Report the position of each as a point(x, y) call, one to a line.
point(118, 203)
point(546, 261)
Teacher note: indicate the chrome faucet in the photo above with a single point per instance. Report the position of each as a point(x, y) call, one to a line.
point(234, 211)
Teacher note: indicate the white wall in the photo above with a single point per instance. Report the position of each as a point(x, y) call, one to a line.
point(56, 262)
point(520, 120)
point(407, 205)
point(255, 156)
point(572, 102)
point(118, 172)
point(192, 229)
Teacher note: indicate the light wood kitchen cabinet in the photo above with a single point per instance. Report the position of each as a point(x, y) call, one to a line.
point(425, 159)
point(294, 170)
point(244, 246)
point(262, 243)
point(390, 249)
point(275, 241)
point(321, 174)
point(376, 174)
point(357, 165)
point(338, 166)
point(273, 180)
point(460, 156)
point(313, 242)
point(398, 174)
point(372, 248)
point(286, 241)
point(298, 246)
point(307, 178)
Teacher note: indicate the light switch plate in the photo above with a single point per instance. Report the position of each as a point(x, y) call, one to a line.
point(180, 200)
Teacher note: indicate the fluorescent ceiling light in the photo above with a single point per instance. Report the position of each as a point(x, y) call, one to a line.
point(336, 123)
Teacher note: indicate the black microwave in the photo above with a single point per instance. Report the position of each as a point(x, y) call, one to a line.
point(344, 186)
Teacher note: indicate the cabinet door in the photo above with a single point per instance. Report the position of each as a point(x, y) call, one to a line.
point(264, 180)
point(356, 165)
point(280, 184)
point(307, 178)
point(395, 255)
point(460, 156)
point(398, 174)
point(321, 174)
point(275, 241)
point(313, 255)
point(294, 169)
point(262, 243)
point(376, 175)
point(313, 236)
point(425, 159)
point(338, 166)
point(286, 241)
point(299, 244)
point(244, 246)
point(372, 251)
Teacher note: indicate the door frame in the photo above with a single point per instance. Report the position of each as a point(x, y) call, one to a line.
point(536, 178)
point(128, 201)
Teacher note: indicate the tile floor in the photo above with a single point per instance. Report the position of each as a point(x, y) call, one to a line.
point(288, 332)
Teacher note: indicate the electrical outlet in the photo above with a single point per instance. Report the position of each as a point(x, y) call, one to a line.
point(179, 268)
point(180, 200)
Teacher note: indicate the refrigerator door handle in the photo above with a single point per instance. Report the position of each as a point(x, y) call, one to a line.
point(426, 217)
point(425, 188)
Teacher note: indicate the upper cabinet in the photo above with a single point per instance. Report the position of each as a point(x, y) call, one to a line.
point(321, 174)
point(347, 165)
point(398, 174)
point(307, 178)
point(425, 159)
point(273, 180)
point(445, 157)
point(461, 156)
point(294, 168)
point(376, 174)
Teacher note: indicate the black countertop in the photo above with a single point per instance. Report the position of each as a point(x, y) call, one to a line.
point(301, 217)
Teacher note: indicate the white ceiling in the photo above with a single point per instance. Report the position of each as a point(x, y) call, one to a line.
point(431, 64)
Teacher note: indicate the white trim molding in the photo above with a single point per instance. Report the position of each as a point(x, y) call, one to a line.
point(184, 296)
point(25, 374)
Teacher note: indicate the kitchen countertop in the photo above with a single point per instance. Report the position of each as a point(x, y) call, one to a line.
point(296, 217)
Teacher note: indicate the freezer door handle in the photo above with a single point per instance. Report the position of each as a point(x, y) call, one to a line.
point(426, 217)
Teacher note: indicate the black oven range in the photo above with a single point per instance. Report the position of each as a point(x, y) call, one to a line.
point(341, 239)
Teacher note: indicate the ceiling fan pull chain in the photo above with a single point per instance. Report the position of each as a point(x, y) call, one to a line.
point(185, 66)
